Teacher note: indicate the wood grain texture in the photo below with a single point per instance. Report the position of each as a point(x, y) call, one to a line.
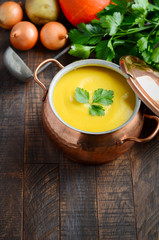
point(38, 148)
point(115, 200)
point(41, 202)
point(78, 204)
point(12, 105)
point(11, 205)
point(12, 109)
point(145, 166)
point(43, 195)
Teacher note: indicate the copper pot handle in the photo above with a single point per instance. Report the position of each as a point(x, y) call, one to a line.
point(45, 90)
point(140, 140)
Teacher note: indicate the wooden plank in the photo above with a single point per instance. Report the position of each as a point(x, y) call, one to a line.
point(41, 202)
point(12, 108)
point(145, 166)
point(78, 204)
point(11, 221)
point(115, 200)
point(38, 148)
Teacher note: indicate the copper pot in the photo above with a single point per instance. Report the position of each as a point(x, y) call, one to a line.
point(87, 147)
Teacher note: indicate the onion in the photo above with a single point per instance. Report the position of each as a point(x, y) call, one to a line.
point(53, 35)
point(24, 35)
point(10, 14)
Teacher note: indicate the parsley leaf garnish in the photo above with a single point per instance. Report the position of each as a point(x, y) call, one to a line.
point(96, 110)
point(81, 95)
point(103, 96)
point(100, 96)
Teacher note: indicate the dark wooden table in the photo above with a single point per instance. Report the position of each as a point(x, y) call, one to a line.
point(44, 195)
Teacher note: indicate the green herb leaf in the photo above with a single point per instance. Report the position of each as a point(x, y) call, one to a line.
point(142, 43)
point(111, 22)
point(155, 55)
point(96, 110)
point(81, 95)
point(81, 51)
point(140, 5)
point(104, 50)
point(129, 21)
point(119, 6)
point(86, 33)
point(122, 28)
point(110, 53)
point(152, 7)
point(156, 3)
point(118, 42)
point(101, 50)
point(103, 96)
point(156, 65)
point(146, 56)
point(100, 96)
point(95, 32)
point(154, 40)
point(78, 37)
point(140, 10)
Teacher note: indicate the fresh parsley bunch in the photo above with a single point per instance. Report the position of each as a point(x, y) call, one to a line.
point(123, 28)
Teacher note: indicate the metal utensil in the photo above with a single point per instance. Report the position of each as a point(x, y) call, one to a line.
point(17, 67)
point(143, 79)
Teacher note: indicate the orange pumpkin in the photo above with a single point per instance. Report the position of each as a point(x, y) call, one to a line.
point(77, 11)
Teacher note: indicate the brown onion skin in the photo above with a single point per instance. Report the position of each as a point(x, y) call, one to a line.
point(10, 14)
point(53, 35)
point(24, 35)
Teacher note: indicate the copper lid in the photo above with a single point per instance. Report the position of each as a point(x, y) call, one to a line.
point(143, 79)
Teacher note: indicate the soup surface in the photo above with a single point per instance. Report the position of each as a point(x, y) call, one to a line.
point(91, 78)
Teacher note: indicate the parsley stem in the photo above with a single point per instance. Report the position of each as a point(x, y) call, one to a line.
point(98, 35)
point(132, 30)
point(151, 33)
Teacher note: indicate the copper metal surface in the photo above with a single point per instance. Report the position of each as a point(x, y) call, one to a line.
point(90, 148)
point(36, 74)
point(142, 140)
point(143, 79)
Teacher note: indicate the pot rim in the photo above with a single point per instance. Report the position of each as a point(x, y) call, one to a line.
point(83, 63)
